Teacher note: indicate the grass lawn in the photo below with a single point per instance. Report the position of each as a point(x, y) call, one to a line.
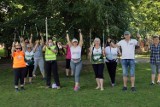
point(2, 53)
point(36, 95)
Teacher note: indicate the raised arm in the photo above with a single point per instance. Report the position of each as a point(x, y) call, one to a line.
point(22, 44)
point(68, 40)
point(36, 45)
point(42, 40)
point(112, 44)
point(30, 40)
point(81, 38)
point(13, 48)
point(139, 39)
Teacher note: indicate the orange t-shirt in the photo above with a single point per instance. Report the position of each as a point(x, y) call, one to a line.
point(18, 60)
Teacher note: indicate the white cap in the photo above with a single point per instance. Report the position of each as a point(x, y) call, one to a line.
point(28, 45)
point(74, 40)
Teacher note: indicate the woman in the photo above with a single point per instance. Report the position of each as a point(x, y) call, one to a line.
point(68, 59)
point(51, 63)
point(19, 65)
point(29, 54)
point(76, 63)
point(97, 54)
point(111, 61)
point(38, 57)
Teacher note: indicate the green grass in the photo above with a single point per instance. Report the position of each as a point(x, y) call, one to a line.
point(36, 95)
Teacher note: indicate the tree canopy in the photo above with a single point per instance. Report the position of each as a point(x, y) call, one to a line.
point(112, 17)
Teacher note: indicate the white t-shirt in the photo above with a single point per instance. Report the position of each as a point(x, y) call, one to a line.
point(111, 53)
point(29, 55)
point(128, 48)
point(75, 52)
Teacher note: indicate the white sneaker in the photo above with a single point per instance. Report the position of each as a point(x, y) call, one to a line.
point(34, 75)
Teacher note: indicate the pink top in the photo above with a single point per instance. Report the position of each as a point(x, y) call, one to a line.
point(68, 52)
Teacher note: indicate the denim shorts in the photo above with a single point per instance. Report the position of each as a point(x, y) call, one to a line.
point(128, 64)
point(155, 68)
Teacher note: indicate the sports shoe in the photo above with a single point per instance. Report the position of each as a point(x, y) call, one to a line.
point(102, 89)
point(76, 88)
point(124, 89)
point(152, 83)
point(158, 82)
point(34, 75)
point(133, 89)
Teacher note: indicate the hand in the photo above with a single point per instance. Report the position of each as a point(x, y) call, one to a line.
point(40, 34)
point(138, 36)
point(37, 41)
point(13, 44)
point(21, 39)
point(67, 31)
point(79, 30)
point(31, 35)
point(109, 40)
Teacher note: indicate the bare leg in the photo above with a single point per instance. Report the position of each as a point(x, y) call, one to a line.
point(125, 79)
point(132, 81)
point(98, 83)
point(101, 84)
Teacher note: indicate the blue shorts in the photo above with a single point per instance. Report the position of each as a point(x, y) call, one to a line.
point(128, 64)
point(155, 68)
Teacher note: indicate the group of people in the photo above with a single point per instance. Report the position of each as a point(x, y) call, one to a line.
point(27, 56)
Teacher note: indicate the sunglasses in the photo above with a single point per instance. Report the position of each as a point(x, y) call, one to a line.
point(18, 48)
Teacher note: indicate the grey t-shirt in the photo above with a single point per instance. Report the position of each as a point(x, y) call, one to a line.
point(38, 52)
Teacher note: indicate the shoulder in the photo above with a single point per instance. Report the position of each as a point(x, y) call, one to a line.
point(120, 42)
point(134, 40)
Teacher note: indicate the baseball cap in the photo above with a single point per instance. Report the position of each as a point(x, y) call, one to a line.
point(74, 40)
point(28, 46)
point(127, 33)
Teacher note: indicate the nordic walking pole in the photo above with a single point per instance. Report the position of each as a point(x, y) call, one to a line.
point(103, 38)
point(90, 37)
point(36, 29)
point(24, 28)
point(46, 30)
point(14, 39)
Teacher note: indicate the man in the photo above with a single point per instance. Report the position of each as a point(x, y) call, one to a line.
point(128, 58)
point(155, 59)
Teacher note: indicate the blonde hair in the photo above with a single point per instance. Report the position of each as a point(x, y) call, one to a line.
point(97, 39)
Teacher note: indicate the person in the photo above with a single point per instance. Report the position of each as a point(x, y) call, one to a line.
point(76, 63)
point(155, 59)
point(38, 57)
point(97, 55)
point(68, 59)
point(111, 54)
point(51, 63)
point(128, 58)
point(19, 64)
point(29, 57)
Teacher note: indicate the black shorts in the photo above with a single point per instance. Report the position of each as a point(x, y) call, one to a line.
point(68, 63)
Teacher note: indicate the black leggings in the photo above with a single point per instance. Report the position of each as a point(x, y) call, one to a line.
point(19, 75)
point(68, 63)
point(111, 66)
point(51, 66)
point(29, 70)
point(98, 70)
